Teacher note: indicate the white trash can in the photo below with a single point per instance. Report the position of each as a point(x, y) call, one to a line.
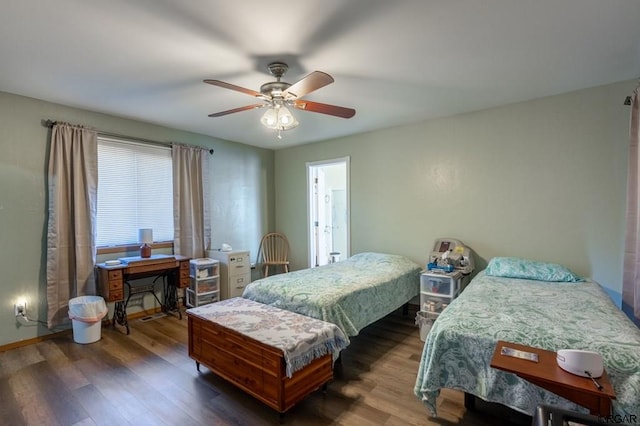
point(86, 313)
point(424, 320)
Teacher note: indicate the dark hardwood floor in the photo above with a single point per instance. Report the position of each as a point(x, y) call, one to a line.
point(147, 378)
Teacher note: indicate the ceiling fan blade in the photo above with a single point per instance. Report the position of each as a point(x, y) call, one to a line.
point(234, 87)
point(309, 83)
point(231, 111)
point(337, 111)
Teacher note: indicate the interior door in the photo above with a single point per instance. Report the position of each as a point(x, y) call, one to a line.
point(321, 219)
point(328, 206)
point(339, 214)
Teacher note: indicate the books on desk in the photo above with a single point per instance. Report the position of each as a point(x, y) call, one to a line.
point(137, 260)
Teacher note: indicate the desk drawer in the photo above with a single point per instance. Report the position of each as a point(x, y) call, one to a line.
point(183, 275)
point(115, 275)
point(111, 284)
point(116, 295)
point(184, 269)
point(115, 285)
point(184, 282)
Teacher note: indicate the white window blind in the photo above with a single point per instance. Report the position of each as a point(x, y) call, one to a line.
point(135, 190)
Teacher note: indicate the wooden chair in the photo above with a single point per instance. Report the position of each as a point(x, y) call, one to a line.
point(275, 251)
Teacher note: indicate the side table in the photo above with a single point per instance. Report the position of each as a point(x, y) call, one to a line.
point(548, 375)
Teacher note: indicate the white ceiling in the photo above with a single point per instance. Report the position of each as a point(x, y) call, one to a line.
point(395, 62)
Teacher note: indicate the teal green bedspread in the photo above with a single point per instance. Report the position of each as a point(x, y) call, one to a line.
point(552, 316)
point(351, 294)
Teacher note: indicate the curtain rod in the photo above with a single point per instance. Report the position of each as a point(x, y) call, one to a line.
point(51, 123)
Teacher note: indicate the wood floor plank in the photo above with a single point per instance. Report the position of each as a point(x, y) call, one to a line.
point(183, 391)
point(157, 341)
point(34, 404)
point(63, 366)
point(98, 408)
point(137, 384)
point(10, 410)
point(147, 378)
point(62, 402)
point(16, 359)
point(111, 382)
point(186, 393)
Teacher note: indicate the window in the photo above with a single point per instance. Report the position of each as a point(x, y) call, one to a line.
point(135, 190)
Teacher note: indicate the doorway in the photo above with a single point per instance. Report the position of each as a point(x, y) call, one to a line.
point(328, 207)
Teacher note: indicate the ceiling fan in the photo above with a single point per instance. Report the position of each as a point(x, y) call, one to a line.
point(278, 95)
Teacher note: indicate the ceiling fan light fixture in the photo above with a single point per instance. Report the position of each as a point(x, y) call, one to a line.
point(279, 118)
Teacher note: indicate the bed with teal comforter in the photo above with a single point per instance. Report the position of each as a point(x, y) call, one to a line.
point(351, 294)
point(549, 315)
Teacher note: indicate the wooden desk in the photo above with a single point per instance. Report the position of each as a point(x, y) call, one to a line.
point(548, 375)
point(112, 279)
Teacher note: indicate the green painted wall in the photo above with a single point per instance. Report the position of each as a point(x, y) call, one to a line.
point(544, 179)
point(242, 192)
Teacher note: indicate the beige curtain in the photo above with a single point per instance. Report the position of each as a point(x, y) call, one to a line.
point(73, 187)
point(631, 278)
point(192, 227)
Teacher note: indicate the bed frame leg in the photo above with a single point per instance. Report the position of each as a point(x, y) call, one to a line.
point(469, 401)
point(405, 309)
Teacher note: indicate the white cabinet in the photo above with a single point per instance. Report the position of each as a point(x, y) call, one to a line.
point(235, 271)
point(204, 287)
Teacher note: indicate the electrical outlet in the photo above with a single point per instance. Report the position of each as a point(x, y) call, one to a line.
point(20, 308)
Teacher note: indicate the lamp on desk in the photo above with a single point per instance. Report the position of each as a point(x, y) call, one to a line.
point(146, 238)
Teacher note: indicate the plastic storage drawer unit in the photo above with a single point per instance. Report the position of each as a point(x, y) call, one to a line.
point(204, 282)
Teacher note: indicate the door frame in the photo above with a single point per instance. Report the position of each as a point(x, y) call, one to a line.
point(310, 203)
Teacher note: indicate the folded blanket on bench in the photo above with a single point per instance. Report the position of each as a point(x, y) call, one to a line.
point(301, 339)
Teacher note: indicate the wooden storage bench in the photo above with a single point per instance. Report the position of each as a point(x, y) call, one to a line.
point(237, 340)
